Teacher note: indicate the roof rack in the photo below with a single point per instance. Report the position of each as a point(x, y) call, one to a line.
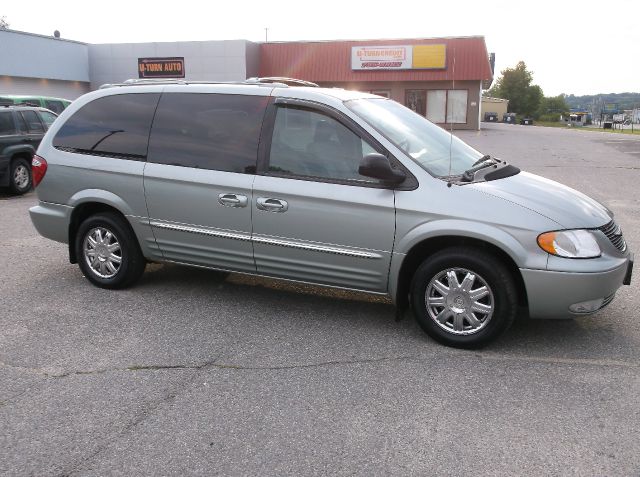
point(282, 80)
point(4, 104)
point(279, 81)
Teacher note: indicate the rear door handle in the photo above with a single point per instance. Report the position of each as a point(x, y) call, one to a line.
point(233, 200)
point(272, 205)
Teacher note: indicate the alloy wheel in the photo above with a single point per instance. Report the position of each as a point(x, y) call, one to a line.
point(102, 252)
point(21, 177)
point(459, 301)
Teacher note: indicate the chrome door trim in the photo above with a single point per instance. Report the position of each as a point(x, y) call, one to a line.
point(316, 248)
point(265, 240)
point(200, 231)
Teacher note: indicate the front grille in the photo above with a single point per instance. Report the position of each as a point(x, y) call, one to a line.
point(614, 234)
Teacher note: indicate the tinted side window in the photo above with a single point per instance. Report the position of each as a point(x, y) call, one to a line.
point(47, 117)
point(55, 106)
point(22, 124)
point(309, 143)
point(7, 127)
point(33, 122)
point(207, 131)
point(114, 126)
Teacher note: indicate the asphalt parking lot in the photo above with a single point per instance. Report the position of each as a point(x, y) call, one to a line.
point(191, 373)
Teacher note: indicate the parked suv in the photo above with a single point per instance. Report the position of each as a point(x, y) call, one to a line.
point(57, 105)
point(21, 130)
point(323, 186)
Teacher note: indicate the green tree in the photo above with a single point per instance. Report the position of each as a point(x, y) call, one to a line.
point(4, 24)
point(515, 85)
point(553, 106)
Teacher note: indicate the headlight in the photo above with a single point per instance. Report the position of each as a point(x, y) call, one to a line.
point(570, 244)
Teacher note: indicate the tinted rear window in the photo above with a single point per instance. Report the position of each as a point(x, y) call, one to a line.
point(47, 117)
point(7, 126)
point(207, 131)
point(114, 126)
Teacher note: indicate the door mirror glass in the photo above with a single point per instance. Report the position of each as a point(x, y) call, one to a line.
point(378, 166)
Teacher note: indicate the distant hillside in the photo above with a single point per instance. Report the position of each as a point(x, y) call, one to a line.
point(594, 102)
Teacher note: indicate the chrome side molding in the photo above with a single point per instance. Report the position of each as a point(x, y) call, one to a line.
point(266, 240)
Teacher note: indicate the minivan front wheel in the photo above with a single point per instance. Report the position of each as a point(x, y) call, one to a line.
point(108, 252)
point(464, 297)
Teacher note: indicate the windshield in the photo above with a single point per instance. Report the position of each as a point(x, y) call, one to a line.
point(427, 144)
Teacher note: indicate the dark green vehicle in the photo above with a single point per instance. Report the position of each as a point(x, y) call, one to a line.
point(21, 130)
point(57, 105)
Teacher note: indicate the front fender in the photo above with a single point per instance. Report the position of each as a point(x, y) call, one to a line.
point(481, 231)
point(509, 241)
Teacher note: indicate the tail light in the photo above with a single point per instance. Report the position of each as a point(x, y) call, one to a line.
point(38, 169)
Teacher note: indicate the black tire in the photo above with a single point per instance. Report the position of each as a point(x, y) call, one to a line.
point(132, 262)
point(485, 267)
point(20, 177)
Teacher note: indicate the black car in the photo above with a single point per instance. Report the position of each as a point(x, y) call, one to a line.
point(21, 130)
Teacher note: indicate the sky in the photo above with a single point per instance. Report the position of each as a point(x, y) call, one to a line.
point(572, 47)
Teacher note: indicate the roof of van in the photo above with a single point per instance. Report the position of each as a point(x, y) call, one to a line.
point(269, 88)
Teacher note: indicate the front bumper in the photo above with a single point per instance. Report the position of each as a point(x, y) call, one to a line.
point(551, 294)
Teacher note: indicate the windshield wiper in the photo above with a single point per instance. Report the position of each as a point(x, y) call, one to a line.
point(486, 157)
point(481, 163)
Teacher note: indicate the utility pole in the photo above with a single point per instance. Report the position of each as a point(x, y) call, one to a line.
point(266, 35)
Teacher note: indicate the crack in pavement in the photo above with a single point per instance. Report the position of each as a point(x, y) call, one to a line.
point(84, 463)
point(11, 398)
point(217, 365)
point(50, 373)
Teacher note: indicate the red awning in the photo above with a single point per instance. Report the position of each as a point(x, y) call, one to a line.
point(330, 61)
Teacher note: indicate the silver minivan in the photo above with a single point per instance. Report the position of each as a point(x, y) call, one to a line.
point(323, 186)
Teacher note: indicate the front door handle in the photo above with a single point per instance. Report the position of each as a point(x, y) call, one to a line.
point(272, 205)
point(233, 200)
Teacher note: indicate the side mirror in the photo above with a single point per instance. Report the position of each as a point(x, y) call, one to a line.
point(378, 166)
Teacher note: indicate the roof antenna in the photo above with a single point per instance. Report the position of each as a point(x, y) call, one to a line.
point(446, 112)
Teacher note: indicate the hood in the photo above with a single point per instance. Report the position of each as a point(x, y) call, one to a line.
point(564, 205)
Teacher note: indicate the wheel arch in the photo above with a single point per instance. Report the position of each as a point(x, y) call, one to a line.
point(84, 208)
point(422, 250)
point(22, 154)
point(25, 151)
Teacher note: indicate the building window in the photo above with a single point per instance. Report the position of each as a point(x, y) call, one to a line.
point(415, 100)
point(436, 105)
point(447, 106)
point(457, 106)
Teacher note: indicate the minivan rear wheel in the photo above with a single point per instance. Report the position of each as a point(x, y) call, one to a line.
point(20, 180)
point(464, 297)
point(108, 252)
